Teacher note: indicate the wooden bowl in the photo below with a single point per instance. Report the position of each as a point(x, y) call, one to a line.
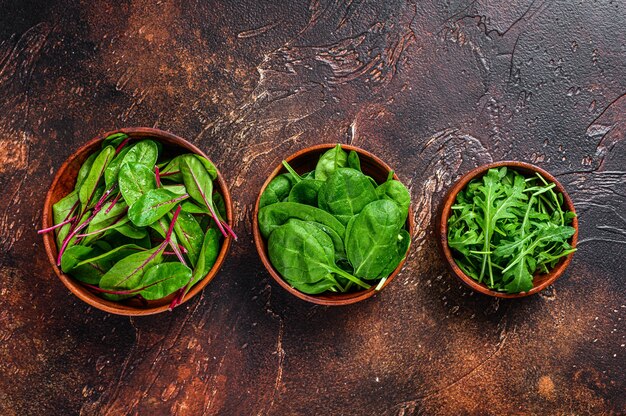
point(540, 281)
point(63, 184)
point(305, 161)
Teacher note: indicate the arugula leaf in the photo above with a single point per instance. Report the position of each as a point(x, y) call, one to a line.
point(505, 227)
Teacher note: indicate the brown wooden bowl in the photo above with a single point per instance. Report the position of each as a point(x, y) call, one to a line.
point(63, 184)
point(305, 161)
point(540, 281)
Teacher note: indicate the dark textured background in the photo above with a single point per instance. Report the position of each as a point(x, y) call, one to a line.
point(432, 87)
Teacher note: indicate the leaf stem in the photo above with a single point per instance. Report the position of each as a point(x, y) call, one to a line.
point(293, 173)
point(54, 227)
point(350, 277)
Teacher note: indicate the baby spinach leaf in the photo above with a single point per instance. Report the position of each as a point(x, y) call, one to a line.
point(395, 191)
point(275, 215)
point(153, 205)
point(292, 173)
point(302, 253)
point(277, 190)
point(402, 247)
point(305, 192)
point(145, 152)
point(314, 288)
point(345, 193)
point(135, 180)
point(372, 241)
point(330, 161)
point(340, 250)
point(353, 161)
point(163, 279)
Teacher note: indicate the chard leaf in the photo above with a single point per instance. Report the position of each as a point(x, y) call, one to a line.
point(134, 181)
point(163, 279)
point(153, 205)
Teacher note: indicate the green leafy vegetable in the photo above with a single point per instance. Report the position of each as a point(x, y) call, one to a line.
point(505, 228)
point(330, 229)
point(114, 229)
point(277, 190)
point(330, 161)
point(345, 193)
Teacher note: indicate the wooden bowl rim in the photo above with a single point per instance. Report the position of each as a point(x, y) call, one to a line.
point(50, 244)
point(554, 274)
point(325, 299)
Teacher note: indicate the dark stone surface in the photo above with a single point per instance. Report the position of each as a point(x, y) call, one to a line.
point(434, 88)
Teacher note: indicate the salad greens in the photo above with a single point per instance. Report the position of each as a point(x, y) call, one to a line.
point(334, 229)
point(130, 203)
point(506, 227)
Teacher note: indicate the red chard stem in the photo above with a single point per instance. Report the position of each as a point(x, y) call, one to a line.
point(121, 146)
point(54, 227)
point(158, 176)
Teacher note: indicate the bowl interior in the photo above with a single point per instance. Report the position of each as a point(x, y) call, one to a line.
point(305, 161)
point(64, 183)
point(540, 281)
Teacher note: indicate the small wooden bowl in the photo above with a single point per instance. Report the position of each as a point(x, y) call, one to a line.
point(305, 161)
point(540, 281)
point(63, 184)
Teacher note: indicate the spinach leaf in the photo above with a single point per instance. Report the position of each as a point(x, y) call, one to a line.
point(277, 190)
point(305, 192)
point(163, 279)
point(345, 193)
point(395, 191)
point(371, 244)
point(330, 161)
point(302, 253)
point(275, 215)
point(353, 161)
